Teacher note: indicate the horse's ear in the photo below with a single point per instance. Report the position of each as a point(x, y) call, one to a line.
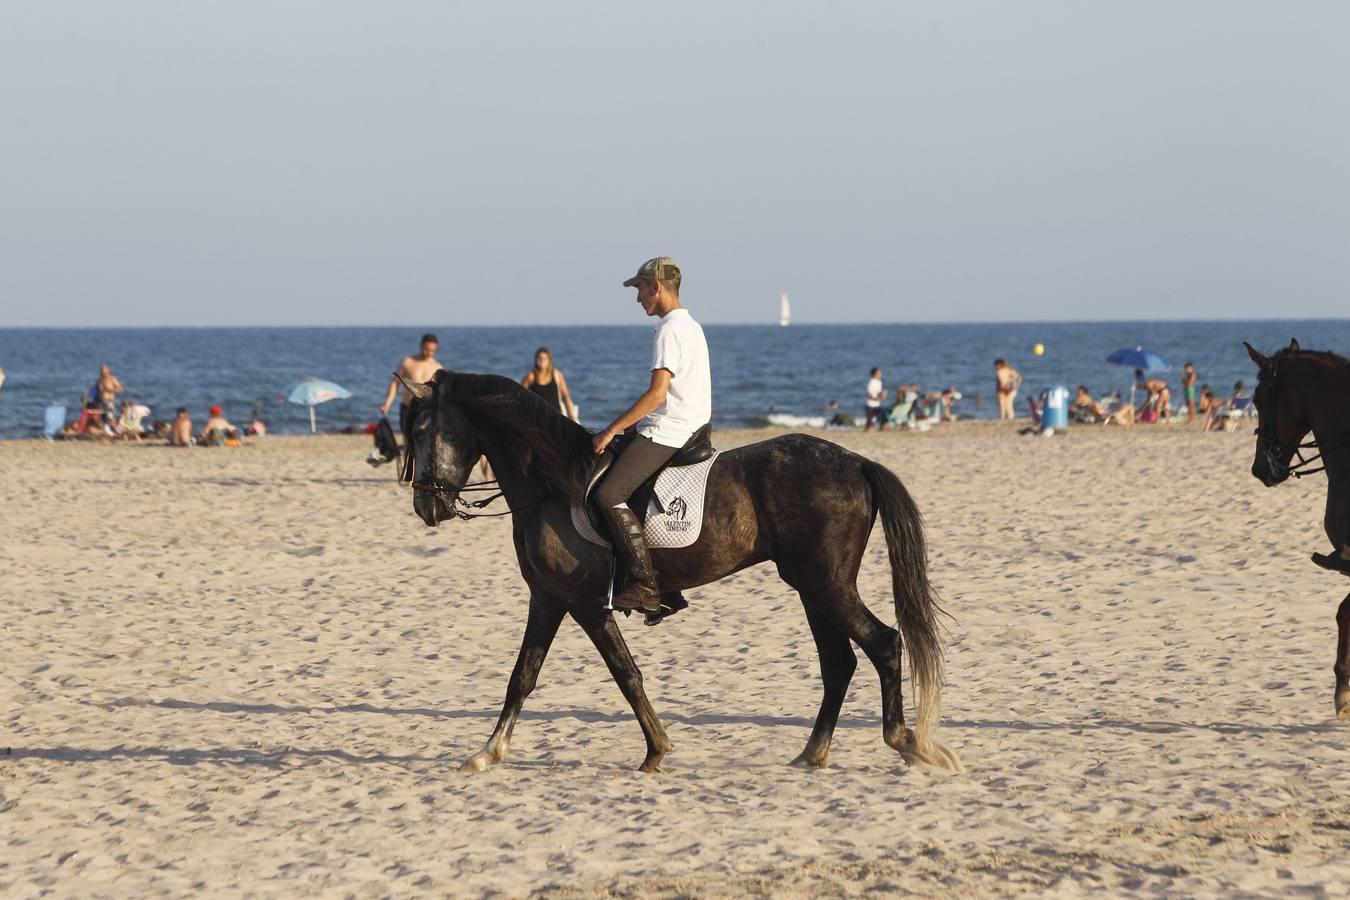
point(420, 391)
point(442, 375)
point(1293, 345)
point(1256, 357)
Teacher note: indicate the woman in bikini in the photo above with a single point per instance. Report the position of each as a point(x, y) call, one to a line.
point(549, 383)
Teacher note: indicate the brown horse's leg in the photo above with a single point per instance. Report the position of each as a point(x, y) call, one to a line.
point(546, 614)
point(837, 663)
point(1343, 660)
point(608, 639)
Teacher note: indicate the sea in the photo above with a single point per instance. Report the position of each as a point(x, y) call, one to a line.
point(763, 375)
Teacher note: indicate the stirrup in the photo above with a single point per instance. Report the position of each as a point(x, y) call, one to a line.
point(671, 603)
point(638, 597)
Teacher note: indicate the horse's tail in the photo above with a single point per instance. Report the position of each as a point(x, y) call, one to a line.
point(916, 608)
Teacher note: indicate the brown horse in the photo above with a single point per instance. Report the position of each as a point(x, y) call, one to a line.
point(805, 504)
point(1300, 391)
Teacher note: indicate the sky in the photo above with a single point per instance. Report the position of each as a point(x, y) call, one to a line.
point(346, 163)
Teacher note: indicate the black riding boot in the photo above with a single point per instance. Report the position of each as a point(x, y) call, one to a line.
point(625, 531)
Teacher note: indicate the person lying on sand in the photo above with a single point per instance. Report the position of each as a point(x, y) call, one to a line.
point(1122, 414)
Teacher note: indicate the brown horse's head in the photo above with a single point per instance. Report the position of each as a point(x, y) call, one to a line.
point(1282, 413)
point(442, 449)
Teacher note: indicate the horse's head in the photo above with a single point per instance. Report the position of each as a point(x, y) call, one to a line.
point(442, 448)
point(1282, 415)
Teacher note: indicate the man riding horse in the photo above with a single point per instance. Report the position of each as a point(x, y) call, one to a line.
point(677, 402)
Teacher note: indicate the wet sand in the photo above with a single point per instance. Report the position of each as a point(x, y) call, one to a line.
point(253, 671)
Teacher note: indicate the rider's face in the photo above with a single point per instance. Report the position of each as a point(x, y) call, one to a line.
point(647, 295)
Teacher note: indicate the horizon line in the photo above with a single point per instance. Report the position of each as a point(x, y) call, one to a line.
point(735, 324)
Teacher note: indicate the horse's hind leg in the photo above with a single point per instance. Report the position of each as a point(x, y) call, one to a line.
point(546, 614)
point(1343, 660)
point(837, 663)
point(608, 639)
point(881, 643)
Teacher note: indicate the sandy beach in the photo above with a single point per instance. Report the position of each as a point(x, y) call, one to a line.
point(255, 672)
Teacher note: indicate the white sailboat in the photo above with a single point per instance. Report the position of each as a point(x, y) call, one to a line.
point(784, 311)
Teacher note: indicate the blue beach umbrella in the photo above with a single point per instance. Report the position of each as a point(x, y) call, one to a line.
point(313, 391)
point(1138, 358)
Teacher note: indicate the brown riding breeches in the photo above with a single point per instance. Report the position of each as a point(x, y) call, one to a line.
point(640, 460)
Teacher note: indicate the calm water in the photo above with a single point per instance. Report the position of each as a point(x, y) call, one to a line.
point(755, 368)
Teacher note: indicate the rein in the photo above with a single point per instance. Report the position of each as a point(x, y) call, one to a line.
point(463, 509)
point(1274, 452)
point(459, 507)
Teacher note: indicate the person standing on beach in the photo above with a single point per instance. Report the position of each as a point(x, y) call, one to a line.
point(676, 403)
point(1006, 382)
point(108, 388)
point(549, 383)
point(876, 394)
point(418, 369)
point(1188, 379)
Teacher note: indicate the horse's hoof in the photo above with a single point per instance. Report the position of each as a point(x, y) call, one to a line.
point(479, 762)
point(651, 765)
point(1343, 706)
point(812, 761)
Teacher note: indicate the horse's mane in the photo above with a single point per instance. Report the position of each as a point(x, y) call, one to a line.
point(520, 425)
point(1326, 356)
point(1321, 357)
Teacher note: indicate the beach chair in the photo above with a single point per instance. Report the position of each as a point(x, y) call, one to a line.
point(1241, 408)
point(903, 412)
point(53, 420)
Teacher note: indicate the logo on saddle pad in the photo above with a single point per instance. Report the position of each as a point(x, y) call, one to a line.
point(677, 515)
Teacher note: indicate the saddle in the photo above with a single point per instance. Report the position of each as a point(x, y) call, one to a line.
point(695, 450)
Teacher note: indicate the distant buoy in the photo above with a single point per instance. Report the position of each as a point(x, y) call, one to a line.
point(1039, 349)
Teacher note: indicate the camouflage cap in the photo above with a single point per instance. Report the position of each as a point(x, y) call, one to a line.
point(662, 268)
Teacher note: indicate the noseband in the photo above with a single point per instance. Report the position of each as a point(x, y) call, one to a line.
point(1269, 436)
point(437, 487)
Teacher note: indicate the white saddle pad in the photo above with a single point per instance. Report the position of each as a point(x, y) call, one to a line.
point(680, 491)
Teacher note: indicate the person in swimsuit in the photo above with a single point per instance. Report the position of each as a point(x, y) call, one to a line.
point(1188, 379)
point(108, 388)
point(549, 383)
point(1006, 382)
point(217, 430)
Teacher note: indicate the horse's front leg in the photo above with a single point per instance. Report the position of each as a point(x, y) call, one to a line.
point(1343, 660)
point(608, 639)
point(546, 614)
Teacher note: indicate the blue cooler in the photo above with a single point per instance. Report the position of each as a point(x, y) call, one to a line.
point(1055, 407)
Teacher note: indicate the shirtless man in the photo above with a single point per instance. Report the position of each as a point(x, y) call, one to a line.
point(180, 431)
point(1188, 379)
point(418, 369)
point(108, 389)
point(1006, 382)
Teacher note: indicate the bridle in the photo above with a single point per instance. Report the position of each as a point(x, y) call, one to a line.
point(1269, 436)
point(451, 493)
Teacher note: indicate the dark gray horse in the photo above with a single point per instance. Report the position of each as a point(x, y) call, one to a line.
point(806, 504)
point(1300, 391)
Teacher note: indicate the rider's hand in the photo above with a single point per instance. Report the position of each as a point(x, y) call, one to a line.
point(601, 441)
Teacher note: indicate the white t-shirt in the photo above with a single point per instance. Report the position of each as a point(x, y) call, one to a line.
point(873, 392)
point(679, 346)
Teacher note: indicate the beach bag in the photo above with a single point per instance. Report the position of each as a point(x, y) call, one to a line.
point(386, 445)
